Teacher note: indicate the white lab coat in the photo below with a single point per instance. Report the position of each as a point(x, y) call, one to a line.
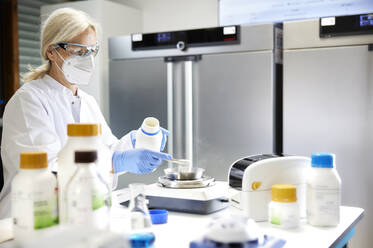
point(36, 118)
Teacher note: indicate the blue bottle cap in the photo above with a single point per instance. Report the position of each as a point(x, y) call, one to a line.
point(142, 240)
point(322, 160)
point(158, 216)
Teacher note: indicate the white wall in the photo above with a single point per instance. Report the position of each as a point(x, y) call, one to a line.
point(168, 15)
point(117, 20)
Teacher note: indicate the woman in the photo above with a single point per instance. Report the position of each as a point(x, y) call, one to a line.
point(36, 117)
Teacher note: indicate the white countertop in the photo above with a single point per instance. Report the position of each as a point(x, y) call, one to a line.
point(183, 228)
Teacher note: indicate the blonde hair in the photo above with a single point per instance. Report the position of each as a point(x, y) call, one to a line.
point(61, 26)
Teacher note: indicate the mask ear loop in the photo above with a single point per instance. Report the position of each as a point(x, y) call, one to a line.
point(61, 58)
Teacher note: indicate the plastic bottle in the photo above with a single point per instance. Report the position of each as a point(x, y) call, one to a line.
point(80, 137)
point(34, 197)
point(284, 210)
point(141, 235)
point(149, 135)
point(323, 191)
point(88, 195)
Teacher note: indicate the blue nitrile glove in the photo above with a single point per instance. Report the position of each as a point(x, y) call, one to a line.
point(164, 137)
point(138, 161)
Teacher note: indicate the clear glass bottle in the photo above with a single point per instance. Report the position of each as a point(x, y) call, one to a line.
point(141, 226)
point(81, 136)
point(88, 195)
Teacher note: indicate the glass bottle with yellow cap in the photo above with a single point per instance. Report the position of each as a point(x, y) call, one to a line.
point(284, 209)
point(81, 136)
point(34, 197)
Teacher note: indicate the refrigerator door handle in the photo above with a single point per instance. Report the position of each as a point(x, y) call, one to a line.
point(188, 67)
point(170, 106)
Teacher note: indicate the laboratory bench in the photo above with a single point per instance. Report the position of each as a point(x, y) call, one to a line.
point(182, 228)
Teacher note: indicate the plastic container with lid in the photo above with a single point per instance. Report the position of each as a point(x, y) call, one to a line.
point(284, 210)
point(323, 191)
point(34, 197)
point(88, 195)
point(81, 136)
point(149, 136)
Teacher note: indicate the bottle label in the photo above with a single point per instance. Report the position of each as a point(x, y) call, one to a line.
point(98, 201)
point(45, 214)
point(278, 217)
point(90, 205)
point(323, 204)
point(43, 207)
point(276, 220)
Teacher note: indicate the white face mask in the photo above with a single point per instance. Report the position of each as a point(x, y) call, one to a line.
point(78, 69)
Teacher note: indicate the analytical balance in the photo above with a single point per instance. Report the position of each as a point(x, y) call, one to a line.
point(186, 191)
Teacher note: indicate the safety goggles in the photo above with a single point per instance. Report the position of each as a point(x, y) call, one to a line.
point(78, 49)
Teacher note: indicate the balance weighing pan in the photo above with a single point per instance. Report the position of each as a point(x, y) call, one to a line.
point(187, 174)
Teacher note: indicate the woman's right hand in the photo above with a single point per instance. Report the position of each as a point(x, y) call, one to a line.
point(138, 161)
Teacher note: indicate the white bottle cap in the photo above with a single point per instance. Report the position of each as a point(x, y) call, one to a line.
point(150, 126)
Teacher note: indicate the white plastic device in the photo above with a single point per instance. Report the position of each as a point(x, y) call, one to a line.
point(233, 229)
point(251, 179)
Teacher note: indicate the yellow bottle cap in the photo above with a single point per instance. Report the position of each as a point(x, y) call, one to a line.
point(284, 193)
point(83, 129)
point(33, 160)
point(100, 129)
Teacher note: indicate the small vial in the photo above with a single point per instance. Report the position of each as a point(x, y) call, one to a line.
point(283, 209)
point(141, 226)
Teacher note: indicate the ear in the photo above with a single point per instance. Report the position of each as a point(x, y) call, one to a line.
point(51, 54)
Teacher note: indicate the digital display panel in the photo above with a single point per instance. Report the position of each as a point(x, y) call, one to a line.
point(346, 25)
point(366, 20)
point(191, 38)
point(234, 12)
point(163, 37)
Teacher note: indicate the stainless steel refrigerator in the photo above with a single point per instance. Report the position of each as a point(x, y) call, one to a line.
point(328, 102)
point(213, 88)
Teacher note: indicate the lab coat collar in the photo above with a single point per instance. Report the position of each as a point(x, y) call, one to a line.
point(55, 86)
